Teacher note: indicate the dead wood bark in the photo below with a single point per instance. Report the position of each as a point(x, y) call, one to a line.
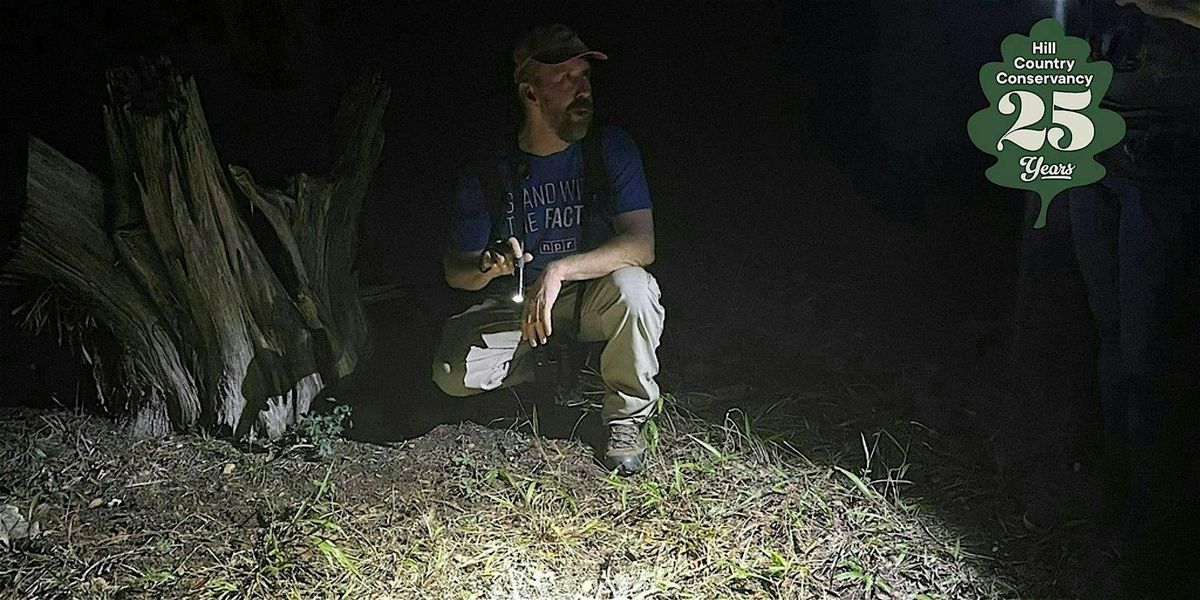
point(212, 333)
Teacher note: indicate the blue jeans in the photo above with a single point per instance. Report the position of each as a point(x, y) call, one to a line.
point(1126, 230)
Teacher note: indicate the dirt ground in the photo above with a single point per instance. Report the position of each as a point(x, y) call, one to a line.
point(464, 511)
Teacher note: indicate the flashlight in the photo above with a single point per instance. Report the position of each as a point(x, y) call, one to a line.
point(520, 295)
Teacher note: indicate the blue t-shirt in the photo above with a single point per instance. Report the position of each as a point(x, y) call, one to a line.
point(552, 201)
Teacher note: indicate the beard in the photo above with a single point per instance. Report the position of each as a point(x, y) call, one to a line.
point(571, 127)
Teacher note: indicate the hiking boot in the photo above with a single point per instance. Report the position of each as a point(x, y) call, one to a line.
point(626, 449)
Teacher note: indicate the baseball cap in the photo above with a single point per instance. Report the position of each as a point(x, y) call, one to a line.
point(550, 45)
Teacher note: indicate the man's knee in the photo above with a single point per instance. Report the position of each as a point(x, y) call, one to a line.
point(638, 291)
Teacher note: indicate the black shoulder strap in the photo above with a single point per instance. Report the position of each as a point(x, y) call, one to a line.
point(597, 191)
point(487, 170)
point(595, 172)
point(497, 176)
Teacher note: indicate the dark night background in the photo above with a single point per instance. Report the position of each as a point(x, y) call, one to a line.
point(819, 208)
point(784, 143)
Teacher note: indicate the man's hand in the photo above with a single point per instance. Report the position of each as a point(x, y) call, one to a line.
point(501, 258)
point(472, 270)
point(539, 304)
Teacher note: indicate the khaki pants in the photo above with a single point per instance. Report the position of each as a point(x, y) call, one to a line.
point(481, 348)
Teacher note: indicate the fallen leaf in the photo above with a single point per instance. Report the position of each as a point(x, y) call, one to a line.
point(13, 526)
point(229, 467)
point(96, 502)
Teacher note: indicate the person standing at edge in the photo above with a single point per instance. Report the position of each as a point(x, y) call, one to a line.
point(1128, 229)
point(584, 246)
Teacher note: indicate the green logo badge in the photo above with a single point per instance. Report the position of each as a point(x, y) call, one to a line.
point(1044, 124)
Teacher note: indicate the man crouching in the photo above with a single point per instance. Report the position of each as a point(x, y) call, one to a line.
point(565, 207)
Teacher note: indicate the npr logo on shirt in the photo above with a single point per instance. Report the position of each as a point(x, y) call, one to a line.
point(558, 246)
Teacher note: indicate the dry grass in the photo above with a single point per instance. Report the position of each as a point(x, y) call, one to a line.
point(465, 512)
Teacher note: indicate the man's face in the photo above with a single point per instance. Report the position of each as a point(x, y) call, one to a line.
point(564, 97)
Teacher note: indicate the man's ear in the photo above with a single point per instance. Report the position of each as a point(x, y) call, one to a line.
point(527, 94)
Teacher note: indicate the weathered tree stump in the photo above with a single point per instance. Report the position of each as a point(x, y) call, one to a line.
point(213, 331)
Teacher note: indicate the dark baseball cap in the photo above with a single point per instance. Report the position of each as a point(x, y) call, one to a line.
point(550, 45)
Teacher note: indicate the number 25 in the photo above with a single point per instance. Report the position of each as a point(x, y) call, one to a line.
point(1032, 111)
